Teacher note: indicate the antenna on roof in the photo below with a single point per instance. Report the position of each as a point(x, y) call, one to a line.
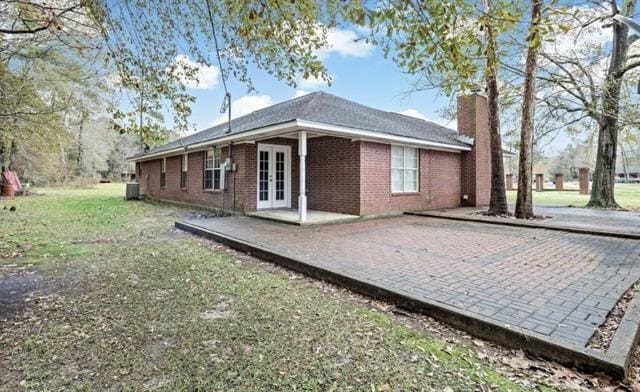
point(226, 105)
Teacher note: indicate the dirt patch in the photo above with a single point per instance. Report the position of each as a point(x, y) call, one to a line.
point(155, 384)
point(17, 290)
point(221, 311)
point(603, 336)
point(194, 215)
point(155, 349)
point(24, 286)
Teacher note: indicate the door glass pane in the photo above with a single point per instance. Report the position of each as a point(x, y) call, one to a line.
point(279, 175)
point(263, 176)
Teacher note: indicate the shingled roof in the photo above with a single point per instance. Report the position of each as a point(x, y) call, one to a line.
point(328, 109)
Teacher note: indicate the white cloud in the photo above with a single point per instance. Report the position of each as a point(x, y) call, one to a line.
point(584, 39)
point(313, 82)
point(113, 80)
point(414, 113)
point(206, 75)
point(453, 124)
point(583, 33)
point(300, 93)
point(343, 42)
point(245, 105)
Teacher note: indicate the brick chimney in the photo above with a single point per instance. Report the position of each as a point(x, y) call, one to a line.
point(473, 121)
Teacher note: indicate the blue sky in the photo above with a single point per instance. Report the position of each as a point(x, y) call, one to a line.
point(359, 72)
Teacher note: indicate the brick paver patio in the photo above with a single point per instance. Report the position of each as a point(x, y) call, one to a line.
point(552, 284)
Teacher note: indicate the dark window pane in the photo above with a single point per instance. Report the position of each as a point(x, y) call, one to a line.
point(216, 179)
point(183, 179)
point(208, 179)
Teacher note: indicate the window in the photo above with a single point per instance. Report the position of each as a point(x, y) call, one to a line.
point(404, 169)
point(213, 170)
point(163, 173)
point(183, 174)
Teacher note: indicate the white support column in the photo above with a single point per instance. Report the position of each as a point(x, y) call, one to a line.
point(302, 198)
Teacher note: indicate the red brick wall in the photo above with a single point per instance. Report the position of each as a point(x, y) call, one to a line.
point(473, 121)
point(342, 176)
point(439, 181)
point(333, 175)
point(194, 192)
point(244, 179)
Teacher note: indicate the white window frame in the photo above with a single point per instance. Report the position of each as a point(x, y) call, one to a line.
point(163, 173)
point(185, 162)
point(212, 156)
point(405, 169)
point(183, 171)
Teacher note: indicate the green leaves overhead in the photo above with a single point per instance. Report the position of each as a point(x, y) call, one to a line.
point(145, 37)
point(441, 41)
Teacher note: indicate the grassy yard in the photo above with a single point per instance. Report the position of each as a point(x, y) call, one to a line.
point(627, 195)
point(107, 295)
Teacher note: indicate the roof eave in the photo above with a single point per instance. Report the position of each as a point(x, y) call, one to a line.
point(334, 130)
point(338, 130)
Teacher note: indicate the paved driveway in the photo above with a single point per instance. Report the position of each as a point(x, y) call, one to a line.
point(589, 218)
point(580, 219)
point(551, 284)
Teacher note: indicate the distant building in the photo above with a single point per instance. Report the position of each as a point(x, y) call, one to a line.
point(629, 173)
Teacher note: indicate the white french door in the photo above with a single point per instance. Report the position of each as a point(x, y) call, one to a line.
point(274, 176)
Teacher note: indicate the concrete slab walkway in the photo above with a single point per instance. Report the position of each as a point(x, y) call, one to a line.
point(584, 220)
point(542, 290)
point(314, 217)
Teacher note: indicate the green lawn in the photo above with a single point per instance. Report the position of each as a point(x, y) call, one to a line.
point(627, 195)
point(133, 304)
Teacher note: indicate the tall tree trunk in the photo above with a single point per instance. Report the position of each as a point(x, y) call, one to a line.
point(498, 201)
point(13, 155)
point(524, 200)
point(604, 175)
point(80, 151)
point(625, 170)
point(2, 149)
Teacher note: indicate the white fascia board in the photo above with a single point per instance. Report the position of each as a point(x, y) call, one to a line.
point(335, 130)
point(378, 136)
point(284, 127)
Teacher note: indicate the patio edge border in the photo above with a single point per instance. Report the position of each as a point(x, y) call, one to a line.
point(582, 358)
point(524, 224)
point(627, 335)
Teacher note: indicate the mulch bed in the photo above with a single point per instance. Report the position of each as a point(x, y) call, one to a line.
point(510, 216)
point(602, 337)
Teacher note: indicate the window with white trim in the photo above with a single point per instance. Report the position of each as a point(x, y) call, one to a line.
point(212, 169)
point(183, 173)
point(163, 173)
point(404, 169)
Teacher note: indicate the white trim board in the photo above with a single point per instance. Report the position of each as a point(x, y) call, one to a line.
point(294, 125)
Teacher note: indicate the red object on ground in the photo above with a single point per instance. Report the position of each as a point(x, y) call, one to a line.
point(12, 179)
point(7, 190)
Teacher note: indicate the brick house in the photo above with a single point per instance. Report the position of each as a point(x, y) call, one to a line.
point(325, 153)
